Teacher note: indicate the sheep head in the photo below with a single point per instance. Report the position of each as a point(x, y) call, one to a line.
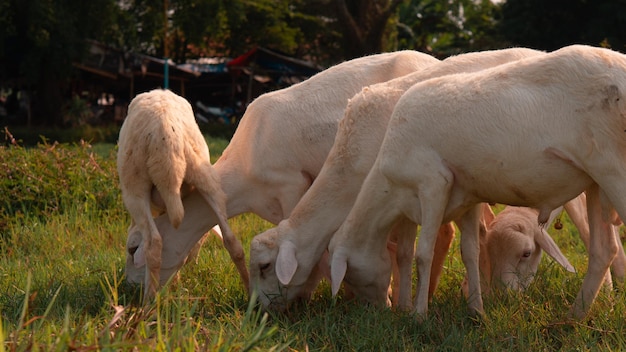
point(274, 271)
point(515, 242)
point(370, 286)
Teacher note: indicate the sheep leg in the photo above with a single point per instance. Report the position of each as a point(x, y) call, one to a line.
point(442, 246)
point(235, 250)
point(484, 262)
point(394, 289)
point(576, 209)
point(602, 249)
point(470, 248)
point(153, 260)
point(137, 202)
point(139, 208)
point(618, 267)
point(404, 231)
point(402, 248)
point(433, 197)
point(215, 197)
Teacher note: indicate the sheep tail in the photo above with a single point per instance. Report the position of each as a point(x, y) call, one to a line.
point(167, 167)
point(166, 196)
point(173, 206)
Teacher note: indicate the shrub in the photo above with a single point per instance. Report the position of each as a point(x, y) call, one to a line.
point(49, 179)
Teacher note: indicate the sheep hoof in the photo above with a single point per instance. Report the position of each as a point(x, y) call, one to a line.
point(421, 317)
point(476, 315)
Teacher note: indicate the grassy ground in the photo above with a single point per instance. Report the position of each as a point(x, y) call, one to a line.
point(62, 287)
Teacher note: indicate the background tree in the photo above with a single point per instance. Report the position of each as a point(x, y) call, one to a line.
point(551, 24)
point(445, 28)
point(41, 38)
point(366, 25)
point(40, 41)
point(230, 28)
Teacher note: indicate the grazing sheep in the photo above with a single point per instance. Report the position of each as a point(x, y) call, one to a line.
point(511, 246)
point(278, 150)
point(536, 132)
point(162, 150)
point(284, 260)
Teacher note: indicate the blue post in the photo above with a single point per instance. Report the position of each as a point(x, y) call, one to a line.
point(166, 74)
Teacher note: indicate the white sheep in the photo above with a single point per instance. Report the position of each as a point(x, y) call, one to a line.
point(277, 150)
point(536, 132)
point(162, 150)
point(284, 260)
point(512, 244)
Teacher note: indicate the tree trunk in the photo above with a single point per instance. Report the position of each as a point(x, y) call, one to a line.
point(49, 99)
point(364, 25)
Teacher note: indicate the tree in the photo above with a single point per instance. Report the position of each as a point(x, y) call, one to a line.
point(42, 41)
point(366, 25)
point(236, 26)
point(448, 27)
point(551, 24)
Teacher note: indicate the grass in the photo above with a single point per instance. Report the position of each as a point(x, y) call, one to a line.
point(62, 286)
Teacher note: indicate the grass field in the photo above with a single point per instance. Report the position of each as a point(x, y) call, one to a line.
point(62, 286)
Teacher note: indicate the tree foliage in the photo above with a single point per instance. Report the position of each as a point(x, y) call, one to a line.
point(448, 27)
point(551, 24)
point(365, 24)
point(229, 28)
point(41, 39)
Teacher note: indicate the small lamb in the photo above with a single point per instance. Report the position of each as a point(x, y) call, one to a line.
point(512, 243)
point(161, 151)
point(511, 248)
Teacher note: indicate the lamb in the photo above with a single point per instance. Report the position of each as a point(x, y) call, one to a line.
point(511, 246)
point(278, 150)
point(161, 151)
point(536, 132)
point(284, 260)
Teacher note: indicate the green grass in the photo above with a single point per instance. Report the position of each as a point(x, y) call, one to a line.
point(62, 286)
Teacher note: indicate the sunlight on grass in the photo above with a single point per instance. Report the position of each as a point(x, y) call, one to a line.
point(62, 242)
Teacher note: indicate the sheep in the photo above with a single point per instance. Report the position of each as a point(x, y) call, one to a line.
point(511, 247)
point(512, 243)
point(536, 132)
point(284, 260)
point(161, 154)
point(277, 150)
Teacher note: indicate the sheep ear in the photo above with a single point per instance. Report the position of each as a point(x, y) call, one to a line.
point(286, 262)
point(338, 268)
point(139, 257)
point(217, 231)
point(547, 244)
point(488, 215)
